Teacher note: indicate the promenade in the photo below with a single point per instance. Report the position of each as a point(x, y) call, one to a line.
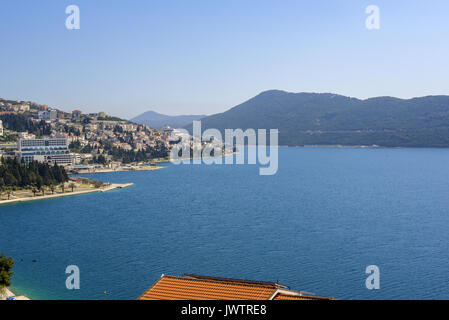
point(27, 195)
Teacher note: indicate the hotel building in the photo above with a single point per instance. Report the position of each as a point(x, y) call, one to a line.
point(49, 150)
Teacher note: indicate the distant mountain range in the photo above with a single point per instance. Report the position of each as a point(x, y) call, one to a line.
point(331, 119)
point(157, 121)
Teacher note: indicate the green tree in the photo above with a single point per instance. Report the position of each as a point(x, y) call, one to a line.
point(6, 265)
point(17, 175)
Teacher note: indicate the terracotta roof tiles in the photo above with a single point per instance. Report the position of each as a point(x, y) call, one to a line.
point(190, 287)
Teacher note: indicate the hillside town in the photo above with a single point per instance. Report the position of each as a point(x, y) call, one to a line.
point(92, 142)
point(79, 142)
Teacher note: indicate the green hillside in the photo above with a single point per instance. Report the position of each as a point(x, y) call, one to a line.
point(330, 119)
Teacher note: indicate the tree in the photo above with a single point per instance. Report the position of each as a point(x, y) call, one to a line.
point(8, 192)
point(18, 175)
point(98, 184)
point(21, 123)
point(52, 188)
point(6, 265)
point(62, 186)
point(100, 159)
point(34, 190)
point(72, 186)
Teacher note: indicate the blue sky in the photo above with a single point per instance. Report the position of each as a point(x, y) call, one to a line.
point(205, 56)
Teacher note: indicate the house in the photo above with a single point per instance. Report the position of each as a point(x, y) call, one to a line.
point(25, 135)
point(193, 287)
point(48, 114)
point(76, 114)
point(24, 107)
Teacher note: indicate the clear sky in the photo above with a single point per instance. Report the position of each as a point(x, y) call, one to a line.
point(205, 56)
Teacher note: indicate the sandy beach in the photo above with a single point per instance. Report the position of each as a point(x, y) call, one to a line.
point(26, 196)
point(8, 293)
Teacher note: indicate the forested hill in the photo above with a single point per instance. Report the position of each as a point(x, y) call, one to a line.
point(20, 123)
point(330, 119)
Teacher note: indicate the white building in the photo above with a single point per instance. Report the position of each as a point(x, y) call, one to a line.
point(49, 150)
point(26, 135)
point(1, 127)
point(76, 158)
point(48, 114)
point(24, 107)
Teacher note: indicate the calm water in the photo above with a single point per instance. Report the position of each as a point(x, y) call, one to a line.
point(314, 226)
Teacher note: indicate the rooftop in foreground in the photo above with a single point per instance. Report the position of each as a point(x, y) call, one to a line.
point(194, 287)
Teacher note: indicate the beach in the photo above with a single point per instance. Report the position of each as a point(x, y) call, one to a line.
point(119, 169)
point(8, 293)
point(27, 195)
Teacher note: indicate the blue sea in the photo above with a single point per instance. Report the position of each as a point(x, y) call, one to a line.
point(315, 226)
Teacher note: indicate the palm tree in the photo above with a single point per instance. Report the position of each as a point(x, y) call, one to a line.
point(62, 186)
point(8, 192)
point(52, 188)
point(42, 189)
point(72, 186)
point(34, 190)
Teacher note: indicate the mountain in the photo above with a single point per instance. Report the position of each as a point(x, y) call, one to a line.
point(157, 121)
point(331, 119)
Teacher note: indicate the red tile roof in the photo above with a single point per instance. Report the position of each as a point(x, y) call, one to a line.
point(191, 287)
point(284, 296)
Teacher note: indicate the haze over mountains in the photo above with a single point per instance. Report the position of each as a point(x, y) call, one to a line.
point(331, 119)
point(158, 121)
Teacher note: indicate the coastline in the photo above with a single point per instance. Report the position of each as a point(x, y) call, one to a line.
point(121, 169)
point(9, 293)
point(67, 194)
point(342, 146)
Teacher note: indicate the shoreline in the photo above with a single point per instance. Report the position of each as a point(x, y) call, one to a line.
point(201, 158)
point(342, 146)
point(338, 146)
point(68, 194)
point(9, 293)
point(121, 169)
